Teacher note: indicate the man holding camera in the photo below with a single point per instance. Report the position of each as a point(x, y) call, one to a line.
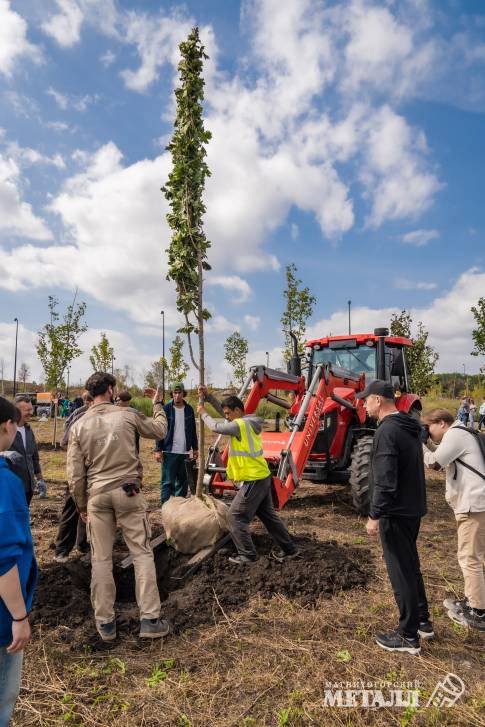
point(104, 474)
point(457, 449)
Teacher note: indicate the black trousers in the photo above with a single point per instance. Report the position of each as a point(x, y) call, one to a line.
point(255, 499)
point(398, 537)
point(72, 530)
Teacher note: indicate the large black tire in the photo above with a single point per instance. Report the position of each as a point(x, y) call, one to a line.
point(360, 474)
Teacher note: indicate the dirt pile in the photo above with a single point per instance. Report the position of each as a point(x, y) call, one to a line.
point(323, 569)
point(62, 597)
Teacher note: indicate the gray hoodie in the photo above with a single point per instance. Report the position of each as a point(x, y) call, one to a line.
point(229, 428)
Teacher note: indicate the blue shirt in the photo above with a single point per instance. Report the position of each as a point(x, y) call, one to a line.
point(16, 546)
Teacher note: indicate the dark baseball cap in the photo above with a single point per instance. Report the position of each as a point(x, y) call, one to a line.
point(378, 387)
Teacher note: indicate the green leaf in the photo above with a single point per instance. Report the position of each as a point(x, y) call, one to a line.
point(344, 656)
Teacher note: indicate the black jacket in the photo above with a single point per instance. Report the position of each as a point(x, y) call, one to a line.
point(397, 470)
point(31, 456)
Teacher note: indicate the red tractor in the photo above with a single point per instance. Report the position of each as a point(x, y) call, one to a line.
point(329, 435)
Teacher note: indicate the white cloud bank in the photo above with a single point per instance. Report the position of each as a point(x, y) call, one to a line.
point(448, 319)
point(16, 216)
point(310, 122)
point(13, 39)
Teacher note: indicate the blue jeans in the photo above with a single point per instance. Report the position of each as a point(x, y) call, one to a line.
point(10, 674)
point(174, 476)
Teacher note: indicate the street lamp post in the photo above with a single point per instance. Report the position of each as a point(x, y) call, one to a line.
point(349, 303)
point(113, 358)
point(163, 355)
point(466, 380)
point(267, 359)
point(15, 358)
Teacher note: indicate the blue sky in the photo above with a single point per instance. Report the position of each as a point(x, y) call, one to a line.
point(347, 138)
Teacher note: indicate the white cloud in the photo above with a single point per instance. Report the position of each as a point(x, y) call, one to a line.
point(239, 290)
point(405, 284)
point(78, 103)
point(65, 26)
point(26, 155)
point(127, 353)
point(16, 216)
point(22, 105)
point(448, 319)
point(13, 39)
point(419, 238)
point(385, 53)
point(258, 356)
point(220, 324)
point(395, 173)
point(57, 125)
point(156, 40)
point(252, 322)
point(25, 352)
point(108, 58)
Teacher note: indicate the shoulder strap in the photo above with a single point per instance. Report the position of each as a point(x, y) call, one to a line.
point(466, 429)
point(469, 467)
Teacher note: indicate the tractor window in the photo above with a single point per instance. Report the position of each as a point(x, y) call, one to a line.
point(396, 368)
point(361, 359)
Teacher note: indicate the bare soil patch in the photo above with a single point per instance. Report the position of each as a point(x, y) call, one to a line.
point(323, 569)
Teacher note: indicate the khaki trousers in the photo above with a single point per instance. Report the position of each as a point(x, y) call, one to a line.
point(106, 511)
point(471, 555)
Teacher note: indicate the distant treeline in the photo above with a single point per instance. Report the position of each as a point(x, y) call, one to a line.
point(457, 385)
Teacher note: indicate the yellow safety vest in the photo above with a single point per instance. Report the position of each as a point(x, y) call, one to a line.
point(246, 461)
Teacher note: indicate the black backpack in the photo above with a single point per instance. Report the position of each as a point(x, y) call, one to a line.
point(480, 439)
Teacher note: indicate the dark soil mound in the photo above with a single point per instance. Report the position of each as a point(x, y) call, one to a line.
point(323, 569)
point(62, 596)
point(58, 600)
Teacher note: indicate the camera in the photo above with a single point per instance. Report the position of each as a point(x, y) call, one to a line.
point(424, 433)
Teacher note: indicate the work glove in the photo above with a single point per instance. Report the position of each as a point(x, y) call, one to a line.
point(42, 488)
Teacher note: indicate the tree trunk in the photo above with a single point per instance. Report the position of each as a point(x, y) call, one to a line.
point(56, 410)
point(200, 322)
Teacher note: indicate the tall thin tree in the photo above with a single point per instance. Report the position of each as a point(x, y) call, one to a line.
point(187, 253)
point(299, 304)
point(101, 357)
point(58, 344)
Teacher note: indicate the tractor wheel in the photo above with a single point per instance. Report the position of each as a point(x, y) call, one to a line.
point(360, 474)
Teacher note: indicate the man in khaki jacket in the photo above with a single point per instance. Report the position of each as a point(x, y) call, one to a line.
point(104, 473)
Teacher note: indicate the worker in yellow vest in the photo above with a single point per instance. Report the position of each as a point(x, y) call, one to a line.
point(249, 471)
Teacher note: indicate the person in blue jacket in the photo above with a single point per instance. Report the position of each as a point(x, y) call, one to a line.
point(18, 569)
point(181, 437)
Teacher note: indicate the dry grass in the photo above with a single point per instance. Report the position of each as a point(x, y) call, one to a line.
point(267, 664)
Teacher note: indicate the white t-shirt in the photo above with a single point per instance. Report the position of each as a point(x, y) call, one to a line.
point(178, 444)
point(22, 434)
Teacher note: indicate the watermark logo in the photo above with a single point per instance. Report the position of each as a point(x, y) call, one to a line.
point(447, 692)
point(373, 695)
point(400, 695)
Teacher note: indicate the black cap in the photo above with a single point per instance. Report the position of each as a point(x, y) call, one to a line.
point(378, 387)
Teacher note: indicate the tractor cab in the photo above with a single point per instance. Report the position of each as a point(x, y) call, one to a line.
point(376, 355)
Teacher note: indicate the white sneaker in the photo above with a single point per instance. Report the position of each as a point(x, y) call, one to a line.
point(61, 558)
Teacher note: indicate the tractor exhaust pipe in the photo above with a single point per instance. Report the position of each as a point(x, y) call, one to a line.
point(294, 364)
point(381, 333)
